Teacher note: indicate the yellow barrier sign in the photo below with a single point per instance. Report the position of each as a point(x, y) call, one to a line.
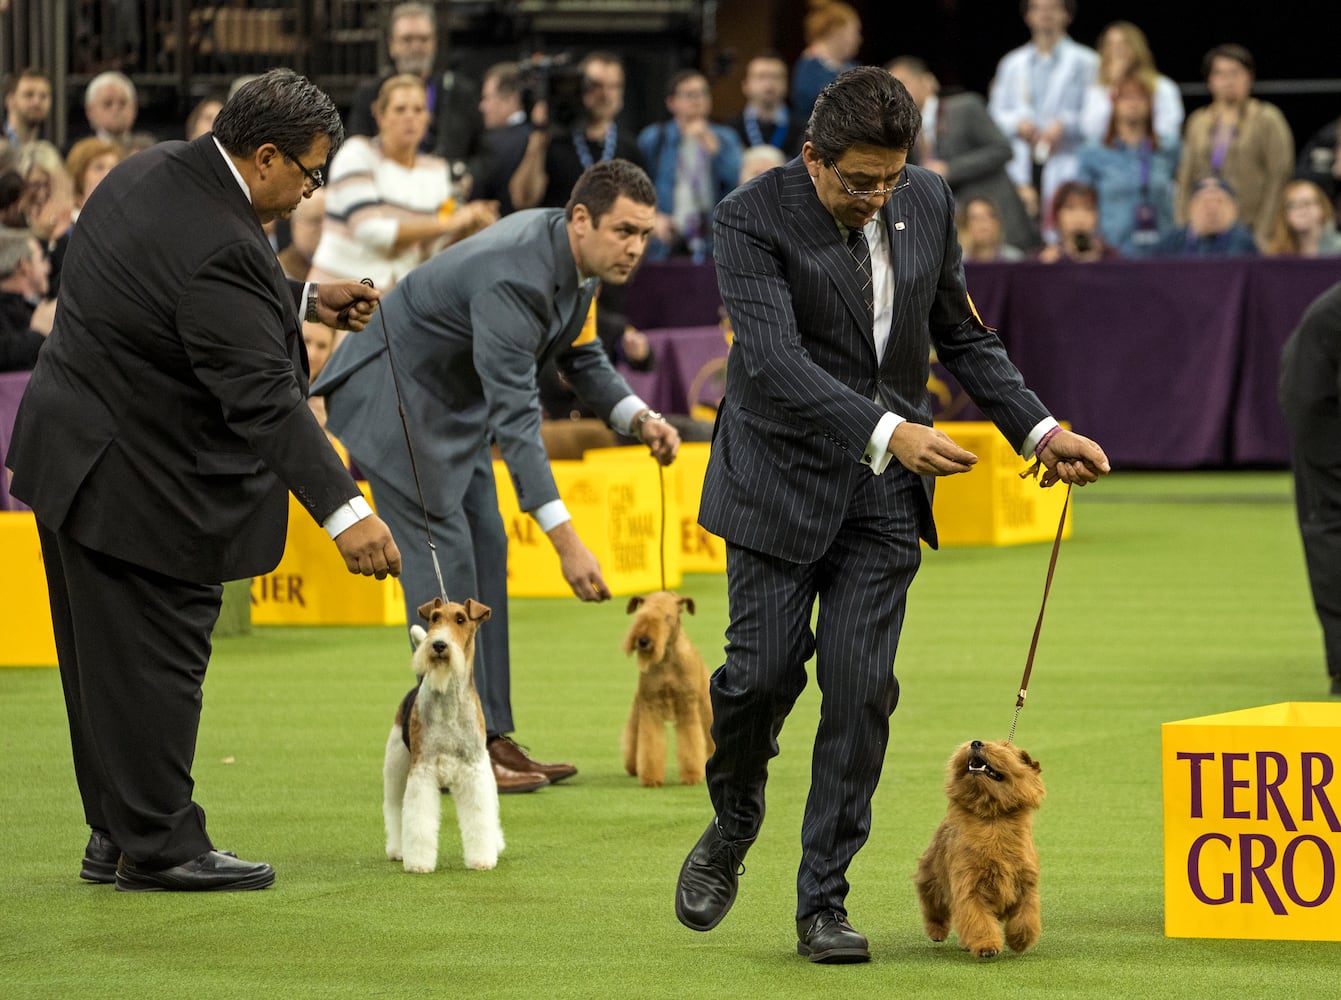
point(1252, 824)
point(26, 639)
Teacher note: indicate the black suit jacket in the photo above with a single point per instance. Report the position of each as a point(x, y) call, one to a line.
point(167, 415)
point(803, 377)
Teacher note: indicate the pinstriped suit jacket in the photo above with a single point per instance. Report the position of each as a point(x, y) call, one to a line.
point(803, 377)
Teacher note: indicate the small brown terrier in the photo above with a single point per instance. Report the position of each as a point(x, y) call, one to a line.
point(982, 868)
point(672, 687)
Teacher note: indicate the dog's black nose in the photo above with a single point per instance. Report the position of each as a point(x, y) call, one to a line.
point(976, 744)
point(439, 645)
point(644, 642)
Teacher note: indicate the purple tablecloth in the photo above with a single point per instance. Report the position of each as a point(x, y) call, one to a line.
point(12, 385)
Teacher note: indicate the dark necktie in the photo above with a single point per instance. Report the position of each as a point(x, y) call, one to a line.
point(861, 254)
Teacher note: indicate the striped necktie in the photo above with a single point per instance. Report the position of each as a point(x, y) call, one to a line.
point(861, 254)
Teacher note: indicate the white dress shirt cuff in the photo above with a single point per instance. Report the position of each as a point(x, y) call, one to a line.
point(877, 454)
point(346, 515)
point(621, 417)
point(1036, 435)
point(550, 515)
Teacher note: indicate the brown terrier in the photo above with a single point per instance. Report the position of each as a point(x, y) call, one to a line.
point(672, 687)
point(982, 868)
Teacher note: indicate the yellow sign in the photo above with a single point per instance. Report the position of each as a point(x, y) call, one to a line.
point(1252, 824)
point(26, 639)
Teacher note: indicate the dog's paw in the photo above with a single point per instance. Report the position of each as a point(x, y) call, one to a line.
point(651, 780)
point(419, 869)
point(986, 951)
point(1021, 941)
point(481, 864)
point(937, 932)
point(691, 778)
point(393, 854)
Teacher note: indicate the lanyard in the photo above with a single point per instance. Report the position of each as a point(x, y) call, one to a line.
point(584, 150)
point(756, 137)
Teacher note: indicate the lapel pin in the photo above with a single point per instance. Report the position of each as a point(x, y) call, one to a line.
point(898, 226)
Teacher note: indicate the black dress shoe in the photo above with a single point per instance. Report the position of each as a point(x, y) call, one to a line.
point(828, 937)
point(210, 872)
point(1336, 685)
point(100, 858)
point(709, 878)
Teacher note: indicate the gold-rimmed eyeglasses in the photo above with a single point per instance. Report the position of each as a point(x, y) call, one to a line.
point(874, 193)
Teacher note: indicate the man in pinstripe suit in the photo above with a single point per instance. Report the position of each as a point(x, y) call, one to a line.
point(840, 271)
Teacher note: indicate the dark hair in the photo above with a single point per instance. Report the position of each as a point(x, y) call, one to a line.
point(506, 77)
point(279, 107)
point(1073, 189)
point(1232, 51)
point(1132, 79)
point(679, 77)
point(602, 183)
point(13, 80)
point(1070, 6)
point(863, 107)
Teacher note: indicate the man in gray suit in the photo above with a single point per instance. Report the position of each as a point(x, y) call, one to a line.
point(840, 271)
point(470, 328)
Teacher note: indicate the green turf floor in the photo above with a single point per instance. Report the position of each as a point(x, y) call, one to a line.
point(1179, 596)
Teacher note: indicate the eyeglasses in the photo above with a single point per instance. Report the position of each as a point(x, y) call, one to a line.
point(315, 178)
point(874, 193)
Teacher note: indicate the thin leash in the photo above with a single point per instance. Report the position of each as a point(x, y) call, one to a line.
point(1038, 626)
point(405, 426)
point(661, 541)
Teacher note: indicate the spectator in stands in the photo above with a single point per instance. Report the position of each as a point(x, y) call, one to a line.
point(25, 311)
point(455, 128)
point(1123, 52)
point(766, 120)
point(558, 152)
point(1239, 138)
point(48, 202)
point(960, 142)
point(389, 205)
point(1037, 97)
point(1075, 207)
point(507, 129)
point(693, 162)
point(88, 162)
point(833, 39)
point(1132, 170)
point(1213, 228)
point(980, 232)
point(110, 105)
point(305, 224)
point(1305, 223)
point(759, 159)
point(1320, 160)
point(27, 105)
point(201, 118)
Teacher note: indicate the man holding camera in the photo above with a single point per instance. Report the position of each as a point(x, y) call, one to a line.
point(560, 149)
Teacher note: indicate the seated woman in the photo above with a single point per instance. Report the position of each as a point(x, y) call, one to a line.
point(389, 206)
point(1075, 207)
point(1133, 171)
point(1305, 224)
point(980, 233)
point(87, 163)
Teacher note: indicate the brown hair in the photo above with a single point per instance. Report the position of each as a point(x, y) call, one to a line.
point(1129, 82)
point(395, 83)
point(826, 16)
point(82, 154)
point(1283, 239)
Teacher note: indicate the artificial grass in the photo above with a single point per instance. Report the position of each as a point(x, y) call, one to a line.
point(1179, 596)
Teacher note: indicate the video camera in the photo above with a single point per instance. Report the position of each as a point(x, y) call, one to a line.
point(557, 81)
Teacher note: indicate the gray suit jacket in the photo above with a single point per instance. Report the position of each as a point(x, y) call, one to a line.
point(803, 377)
point(469, 328)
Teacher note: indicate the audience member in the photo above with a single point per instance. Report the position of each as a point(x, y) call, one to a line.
point(1132, 170)
point(110, 105)
point(1239, 138)
point(201, 118)
point(305, 225)
point(1320, 160)
point(766, 120)
point(389, 205)
point(693, 162)
point(759, 159)
point(319, 342)
point(960, 142)
point(833, 39)
point(48, 202)
point(1123, 52)
point(507, 129)
point(1075, 207)
point(558, 152)
point(1305, 223)
point(980, 233)
point(455, 127)
point(25, 312)
point(1037, 96)
point(1213, 228)
point(27, 105)
point(88, 162)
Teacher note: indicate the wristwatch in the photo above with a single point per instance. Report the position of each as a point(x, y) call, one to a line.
point(648, 414)
point(312, 303)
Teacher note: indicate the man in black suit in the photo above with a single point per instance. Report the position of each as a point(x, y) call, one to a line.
point(506, 131)
point(455, 128)
point(164, 425)
point(840, 271)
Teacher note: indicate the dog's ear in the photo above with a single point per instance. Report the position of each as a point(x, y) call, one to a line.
point(687, 604)
point(426, 610)
point(476, 611)
point(1030, 762)
point(634, 604)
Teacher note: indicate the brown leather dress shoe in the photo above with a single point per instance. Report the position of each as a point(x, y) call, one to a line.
point(502, 750)
point(510, 782)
